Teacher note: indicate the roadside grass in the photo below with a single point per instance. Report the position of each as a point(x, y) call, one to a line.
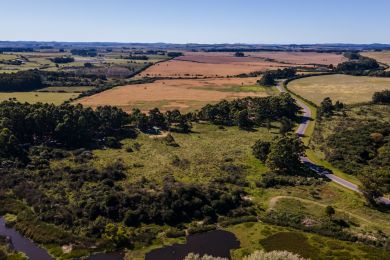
point(313, 155)
point(35, 97)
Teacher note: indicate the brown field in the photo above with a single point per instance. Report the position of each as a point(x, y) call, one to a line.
point(382, 56)
point(300, 58)
point(183, 94)
point(204, 64)
point(347, 89)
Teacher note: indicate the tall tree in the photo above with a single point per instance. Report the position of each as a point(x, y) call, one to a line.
point(285, 154)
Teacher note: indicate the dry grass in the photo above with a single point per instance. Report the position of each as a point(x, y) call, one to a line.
point(347, 89)
point(205, 64)
point(301, 57)
point(382, 56)
point(184, 94)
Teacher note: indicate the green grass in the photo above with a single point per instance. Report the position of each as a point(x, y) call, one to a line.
point(35, 97)
point(290, 241)
point(259, 236)
point(206, 149)
point(347, 89)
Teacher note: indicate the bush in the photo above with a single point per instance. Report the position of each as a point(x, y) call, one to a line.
point(201, 229)
point(382, 97)
point(273, 255)
point(174, 233)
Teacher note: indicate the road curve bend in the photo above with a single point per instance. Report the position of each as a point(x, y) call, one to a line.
point(306, 117)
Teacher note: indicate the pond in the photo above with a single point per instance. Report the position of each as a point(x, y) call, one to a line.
point(34, 252)
point(216, 243)
point(22, 244)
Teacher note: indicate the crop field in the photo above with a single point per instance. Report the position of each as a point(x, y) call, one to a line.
point(35, 97)
point(200, 64)
point(347, 89)
point(301, 58)
point(183, 94)
point(382, 56)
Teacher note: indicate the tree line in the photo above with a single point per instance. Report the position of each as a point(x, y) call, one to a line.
point(21, 81)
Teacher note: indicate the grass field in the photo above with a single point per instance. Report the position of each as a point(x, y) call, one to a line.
point(347, 89)
point(35, 97)
point(183, 94)
point(202, 153)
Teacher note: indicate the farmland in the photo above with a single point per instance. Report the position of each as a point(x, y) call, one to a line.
point(115, 178)
point(301, 58)
point(35, 97)
point(347, 89)
point(183, 94)
point(205, 64)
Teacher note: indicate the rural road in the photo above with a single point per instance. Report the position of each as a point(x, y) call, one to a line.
point(320, 170)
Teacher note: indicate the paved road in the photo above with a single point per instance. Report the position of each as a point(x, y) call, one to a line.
point(301, 131)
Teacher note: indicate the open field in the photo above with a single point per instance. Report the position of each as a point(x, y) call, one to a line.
point(301, 58)
point(206, 64)
point(35, 97)
point(381, 56)
point(182, 94)
point(347, 89)
point(179, 68)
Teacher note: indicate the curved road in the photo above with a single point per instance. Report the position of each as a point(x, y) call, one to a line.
point(301, 131)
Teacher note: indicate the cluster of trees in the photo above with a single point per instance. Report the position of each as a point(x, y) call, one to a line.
point(250, 111)
point(171, 120)
point(269, 77)
point(15, 49)
point(327, 108)
point(132, 204)
point(64, 59)
point(173, 54)
point(64, 126)
point(375, 183)
point(282, 156)
point(136, 57)
point(68, 78)
point(382, 97)
point(357, 144)
point(84, 52)
point(358, 67)
point(21, 81)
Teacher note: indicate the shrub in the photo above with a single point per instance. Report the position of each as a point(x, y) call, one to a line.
point(273, 255)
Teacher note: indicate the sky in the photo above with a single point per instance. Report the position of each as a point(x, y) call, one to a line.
point(197, 21)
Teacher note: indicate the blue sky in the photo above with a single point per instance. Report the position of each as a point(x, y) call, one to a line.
point(200, 21)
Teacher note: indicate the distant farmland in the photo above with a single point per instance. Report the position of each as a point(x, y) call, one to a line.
point(204, 64)
point(183, 94)
point(347, 89)
point(221, 64)
point(301, 57)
